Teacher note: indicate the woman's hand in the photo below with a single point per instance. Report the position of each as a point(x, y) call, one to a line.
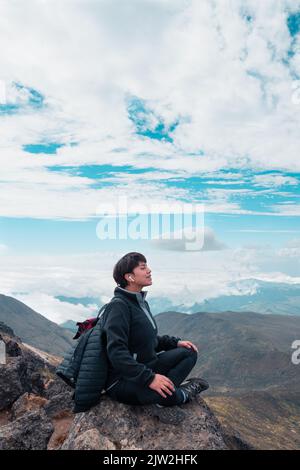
point(162, 384)
point(187, 344)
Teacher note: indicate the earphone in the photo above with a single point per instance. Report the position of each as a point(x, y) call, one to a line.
point(130, 278)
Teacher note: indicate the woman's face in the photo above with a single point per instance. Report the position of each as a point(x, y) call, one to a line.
point(142, 275)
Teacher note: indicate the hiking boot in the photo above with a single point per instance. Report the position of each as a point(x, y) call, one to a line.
point(168, 414)
point(193, 386)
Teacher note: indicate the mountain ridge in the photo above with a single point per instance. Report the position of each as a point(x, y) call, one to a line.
point(33, 328)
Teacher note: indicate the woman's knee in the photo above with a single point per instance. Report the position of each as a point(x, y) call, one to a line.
point(190, 352)
point(193, 354)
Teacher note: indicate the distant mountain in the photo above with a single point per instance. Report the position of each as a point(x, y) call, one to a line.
point(246, 358)
point(79, 300)
point(249, 294)
point(33, 328)
point(239, 350)
point(262, 297)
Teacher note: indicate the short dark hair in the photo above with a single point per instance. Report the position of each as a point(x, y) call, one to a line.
point(126, 265)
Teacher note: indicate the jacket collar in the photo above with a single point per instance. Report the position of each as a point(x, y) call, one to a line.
point(135, 296)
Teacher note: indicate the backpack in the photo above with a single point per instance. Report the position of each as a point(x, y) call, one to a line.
point(85, 366)
point(68, 369)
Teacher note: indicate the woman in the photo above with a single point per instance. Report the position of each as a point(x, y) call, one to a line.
point(145, 368)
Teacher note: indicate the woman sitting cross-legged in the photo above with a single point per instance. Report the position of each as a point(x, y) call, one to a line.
point(144, 368)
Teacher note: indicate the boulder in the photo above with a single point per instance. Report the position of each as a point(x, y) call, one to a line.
point(24, 371)
point(61, 402)
point(27, 402)
point(91, 440)
point(31, 431)
point(13, 381)
point(129, 427)
point(6, 330)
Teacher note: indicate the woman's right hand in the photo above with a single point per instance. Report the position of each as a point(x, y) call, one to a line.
point(162, 384)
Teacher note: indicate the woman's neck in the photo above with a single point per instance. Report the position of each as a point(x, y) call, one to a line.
point(133, 288)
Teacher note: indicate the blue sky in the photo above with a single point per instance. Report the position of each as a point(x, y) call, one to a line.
point(162, 102)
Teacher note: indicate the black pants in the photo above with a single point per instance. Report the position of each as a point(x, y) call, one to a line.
point(176, 364)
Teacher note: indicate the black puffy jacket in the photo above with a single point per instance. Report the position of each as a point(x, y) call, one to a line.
point(93, 366)
point(132, 340)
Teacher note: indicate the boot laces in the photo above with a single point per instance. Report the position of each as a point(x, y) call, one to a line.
point(194, 387)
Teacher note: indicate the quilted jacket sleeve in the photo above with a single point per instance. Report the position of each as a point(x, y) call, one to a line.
point(117, 327)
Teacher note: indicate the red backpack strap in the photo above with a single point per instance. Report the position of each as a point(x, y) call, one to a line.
point(84, 326)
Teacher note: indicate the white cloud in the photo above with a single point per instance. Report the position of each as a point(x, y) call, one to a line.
point(55, 310)
point(293, 243)
point(290, 209)
point(199, 62)
point(36, 279)
point(205, 239)
point(291, 249)
point(62, 197)
point(274, 181)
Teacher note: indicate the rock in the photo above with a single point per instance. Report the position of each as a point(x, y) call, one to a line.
point(13, 349)
point(24, 371)
point(91, 440)
point(13, 381)
point(31, 431)
point(6, 329)
point(27, 402)
point(59, 396)
point(61, 402)
point(55, 387)
point(36, 404)
point(4, 417)
point(134, 427)
point(62, 423)
point(37, 383)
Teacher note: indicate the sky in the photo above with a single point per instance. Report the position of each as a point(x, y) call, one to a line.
point(162, 104)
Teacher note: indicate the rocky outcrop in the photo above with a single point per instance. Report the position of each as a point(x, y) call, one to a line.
point(112, 425)
point(37, 408)
point(27, 403)
point(35, 405)
point(6, 329)
point(31, 431)
point(12, 383)
point(25, 371)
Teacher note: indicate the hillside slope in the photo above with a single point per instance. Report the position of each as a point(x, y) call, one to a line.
point(33, 328)
point(246, 357)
